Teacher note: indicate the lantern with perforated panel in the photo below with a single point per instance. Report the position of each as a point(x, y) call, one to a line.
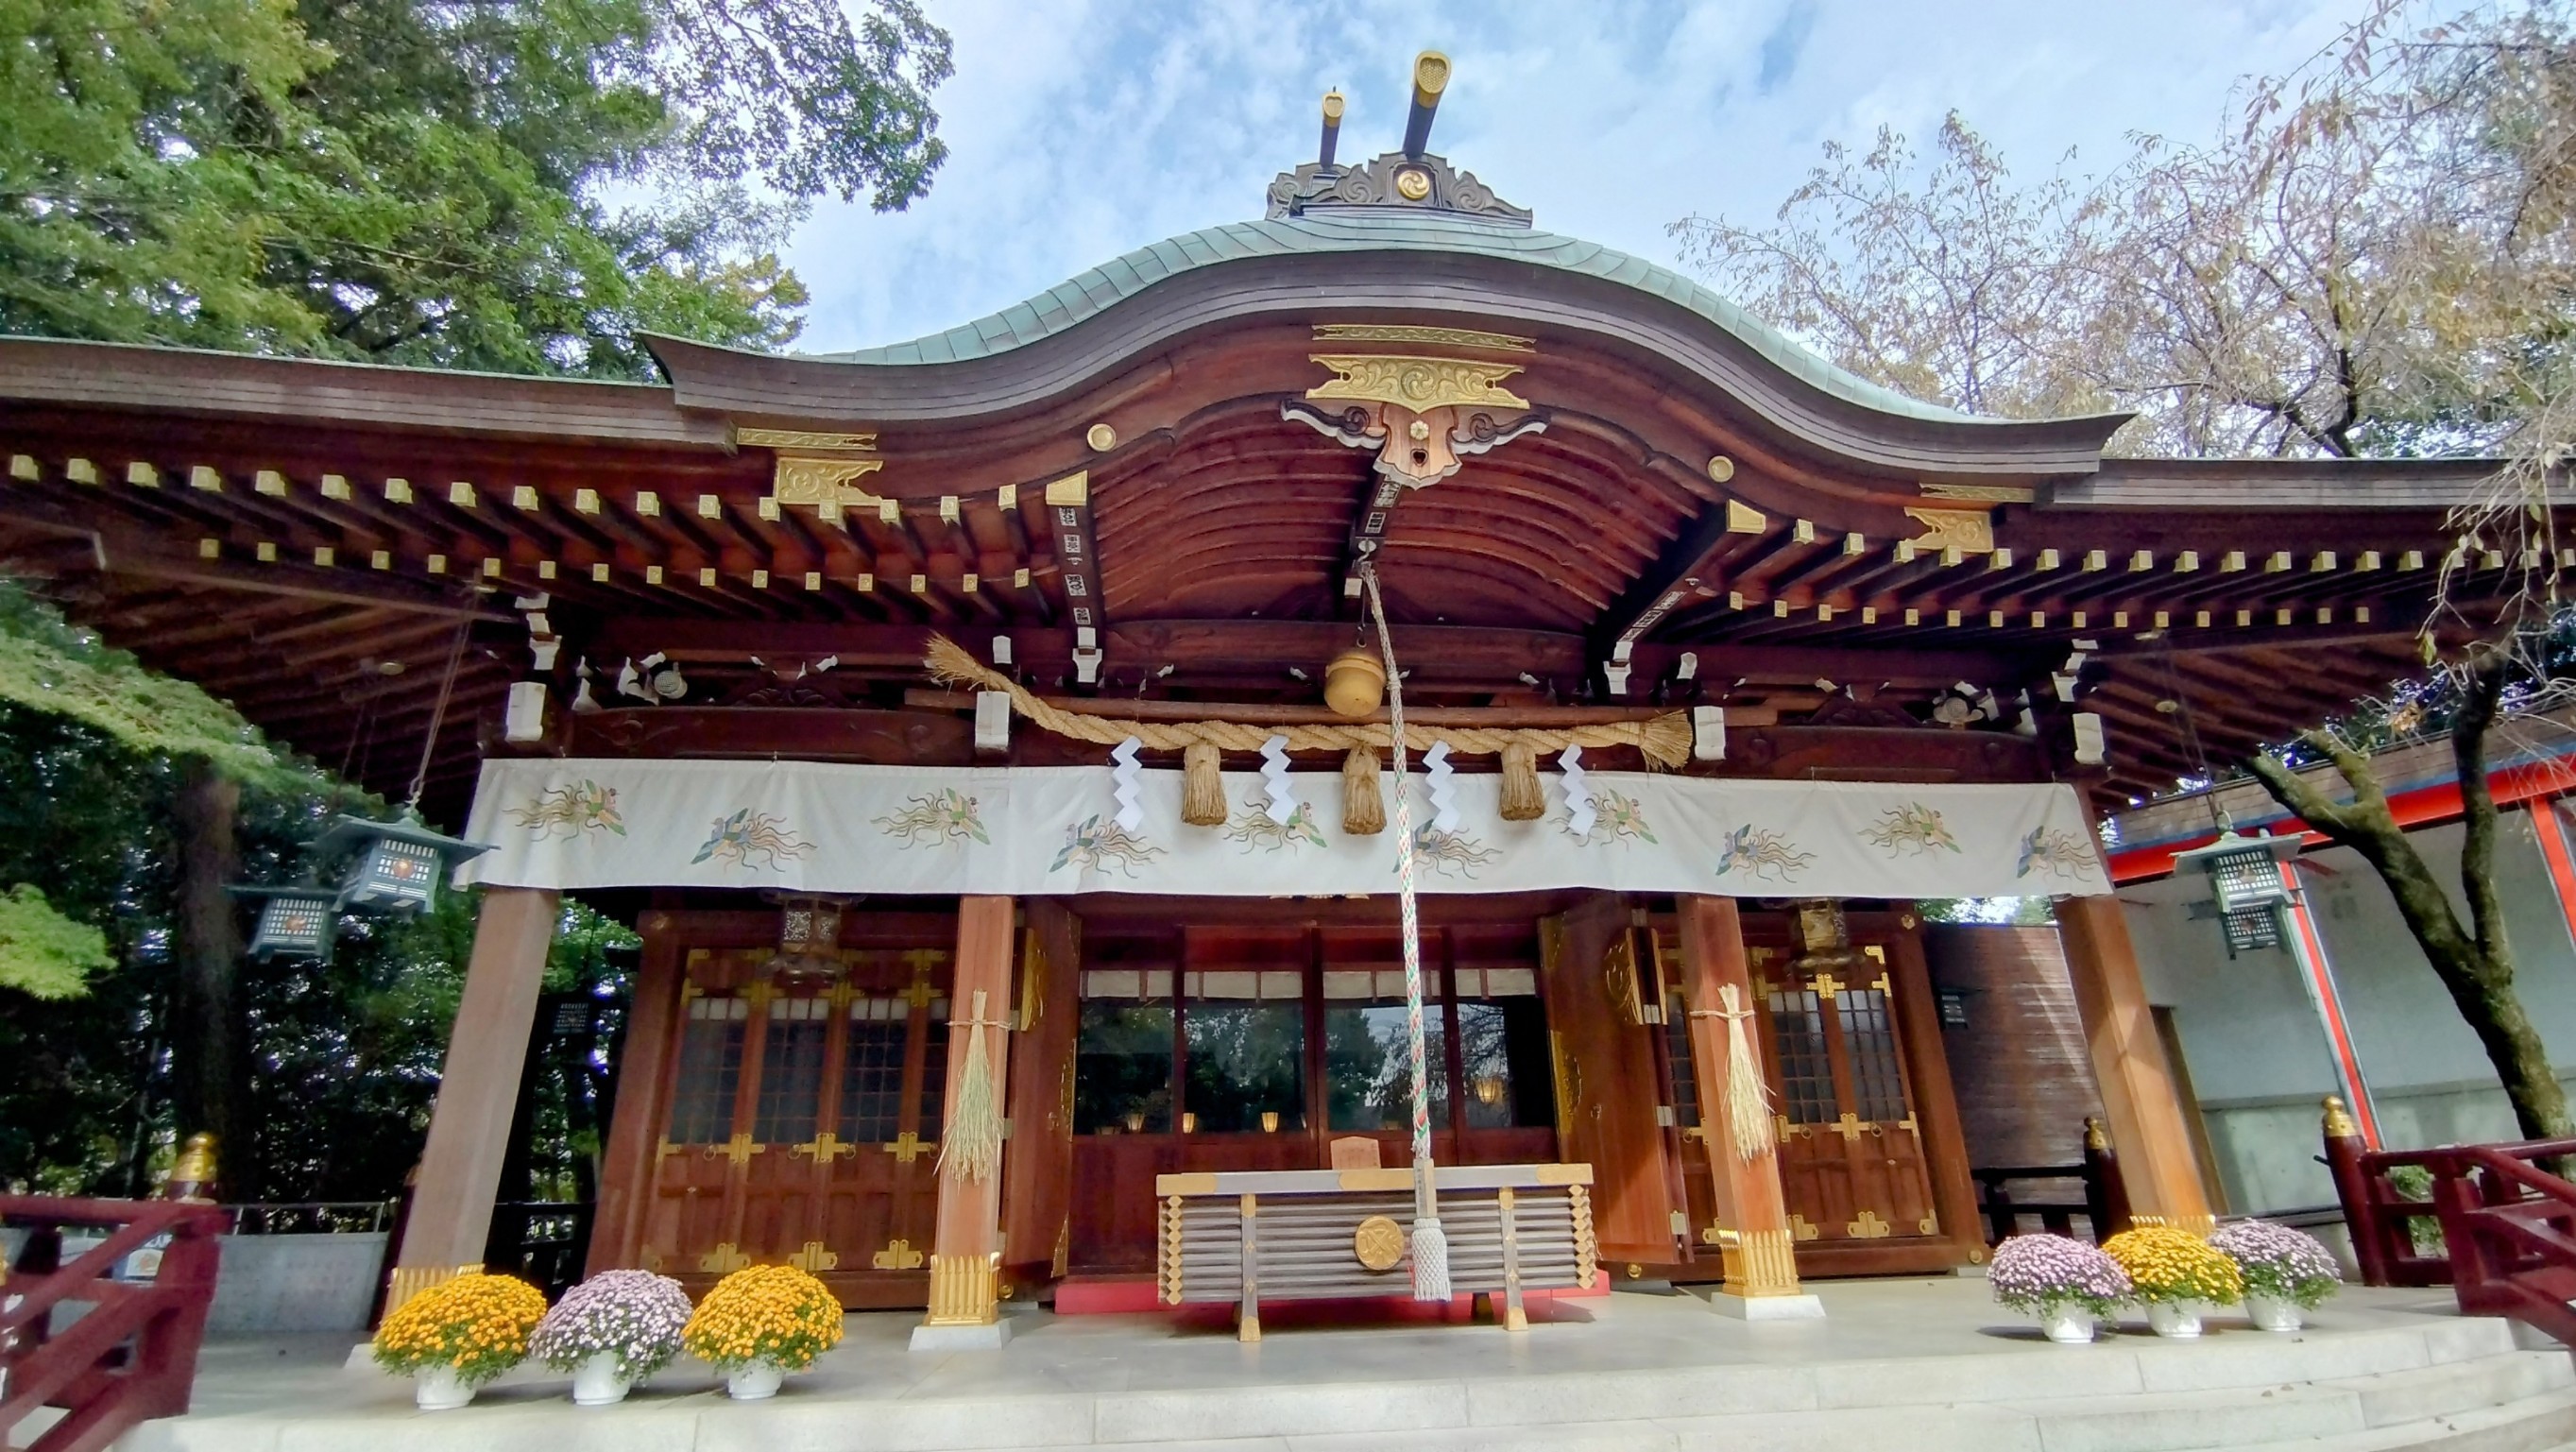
point(393, 866)
point(295, 922)
point(2247, 886)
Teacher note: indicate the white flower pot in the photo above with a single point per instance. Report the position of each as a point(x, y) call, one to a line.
point(2178, 1319)
point(597, 1382)
point(2068, 1325)
point(2272, 1313)
point(439, 1389)
point(755, 1382)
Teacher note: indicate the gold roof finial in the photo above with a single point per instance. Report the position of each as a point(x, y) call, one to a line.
point(1430, 78)
point(2338, 1120)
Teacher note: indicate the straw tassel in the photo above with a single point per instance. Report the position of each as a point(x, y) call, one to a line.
point(973, 1147)
point(1524, 800)
point(1202, 788)
point(1748, 1098)
point(1363, 810)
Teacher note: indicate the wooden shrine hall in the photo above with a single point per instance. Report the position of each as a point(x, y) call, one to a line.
point(1008, 697)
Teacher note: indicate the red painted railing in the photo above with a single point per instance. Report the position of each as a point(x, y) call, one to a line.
point(134, 1354)
point(2508, 1226)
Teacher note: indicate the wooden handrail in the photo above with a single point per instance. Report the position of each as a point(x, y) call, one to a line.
point(133, 1355)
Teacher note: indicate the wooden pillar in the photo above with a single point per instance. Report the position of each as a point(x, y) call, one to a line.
point(2138, 1096)
point(469, 1125)
point(643, 1080)
point(966, 1249)
point(1037, 1173)
point(1761, 1262)
point(1936, 1102)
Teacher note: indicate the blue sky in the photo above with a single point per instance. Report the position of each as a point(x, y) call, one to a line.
point(1080, 129)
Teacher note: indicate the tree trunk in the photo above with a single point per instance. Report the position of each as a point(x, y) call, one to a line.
point(210, 1076)
point(2474, 961)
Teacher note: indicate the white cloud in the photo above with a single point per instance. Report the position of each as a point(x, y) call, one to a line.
point(1083, 128)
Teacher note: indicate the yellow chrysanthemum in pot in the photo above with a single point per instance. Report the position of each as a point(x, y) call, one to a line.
point(2175, 1272)
point(459, 1334)
point(762, 1322)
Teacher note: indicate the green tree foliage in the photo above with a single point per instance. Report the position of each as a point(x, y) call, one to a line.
point(44, 953)
point(511, 185)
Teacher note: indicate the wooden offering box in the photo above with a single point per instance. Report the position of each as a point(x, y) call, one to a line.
point(1319, 1234)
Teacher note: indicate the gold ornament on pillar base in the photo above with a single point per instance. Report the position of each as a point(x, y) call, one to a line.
point(1758, 1262)
point(1202, 788)
point(1363, 806)
point(964, 1290)
point(1355, 683)
point(192, 1174)
point(2203, 1226)
point(410, 1280)
point(1524, 800)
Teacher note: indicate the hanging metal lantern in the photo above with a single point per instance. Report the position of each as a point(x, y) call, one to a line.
point(809, 939)
point(394, 866)
point(2247, 886)
point(294, 921)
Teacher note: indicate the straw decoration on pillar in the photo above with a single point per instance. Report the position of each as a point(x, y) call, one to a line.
point(974, 1143)
point(1430, 1246)
point(1748, 1098)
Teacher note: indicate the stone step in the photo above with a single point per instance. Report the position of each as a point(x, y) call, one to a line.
point(2508, 1402)
point(2542, 1423)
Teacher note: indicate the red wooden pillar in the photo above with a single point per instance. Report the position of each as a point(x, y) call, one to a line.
point(469, 1126)
point(966, 1250)
point(2138, 1094)
point(643, 1085)
point(1754, 1240)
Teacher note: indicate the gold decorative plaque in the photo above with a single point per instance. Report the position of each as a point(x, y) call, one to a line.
point(1417, 383)
point(1420, 334)
point(1378, 1242)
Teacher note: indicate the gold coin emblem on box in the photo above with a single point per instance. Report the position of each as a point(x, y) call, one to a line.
point(1378, 1242)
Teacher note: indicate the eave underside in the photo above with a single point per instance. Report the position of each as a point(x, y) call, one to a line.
point(278, 567)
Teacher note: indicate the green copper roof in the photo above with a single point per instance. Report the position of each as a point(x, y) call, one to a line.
point(1391, 230)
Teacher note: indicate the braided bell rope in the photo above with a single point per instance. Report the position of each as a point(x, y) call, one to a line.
point(1664, 741)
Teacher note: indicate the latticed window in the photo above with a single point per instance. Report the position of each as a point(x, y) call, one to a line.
point(872, 1071)
point(791, 1071)
point(1869, 1041)
point(710, 1071)
point(1806, 1067)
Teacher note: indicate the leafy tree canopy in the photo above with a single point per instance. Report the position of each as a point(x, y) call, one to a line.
point(511, 185)
point(44, 953)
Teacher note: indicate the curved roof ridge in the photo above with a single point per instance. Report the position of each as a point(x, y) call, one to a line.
point(1099, 288)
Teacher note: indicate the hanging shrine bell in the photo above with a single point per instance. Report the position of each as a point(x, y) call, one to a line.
point(394, 866)
point(2247, 886)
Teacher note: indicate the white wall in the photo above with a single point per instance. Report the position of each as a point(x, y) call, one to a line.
point(2258, 1059)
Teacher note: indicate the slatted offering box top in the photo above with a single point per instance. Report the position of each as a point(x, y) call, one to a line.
point(1278, 1235)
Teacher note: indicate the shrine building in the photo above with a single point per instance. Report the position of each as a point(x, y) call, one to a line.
point(1727, 657)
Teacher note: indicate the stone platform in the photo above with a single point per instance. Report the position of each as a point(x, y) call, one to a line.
point(1922, 1366)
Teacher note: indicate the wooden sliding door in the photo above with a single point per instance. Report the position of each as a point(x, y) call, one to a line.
point(800, 1121)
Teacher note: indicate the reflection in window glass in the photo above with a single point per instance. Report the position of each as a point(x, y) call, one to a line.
point(1244, 1058)
point(1502, 1045)
point(1122, 1078)
point(1368, 1081)
point(791, 1072)
point(710, 1071)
